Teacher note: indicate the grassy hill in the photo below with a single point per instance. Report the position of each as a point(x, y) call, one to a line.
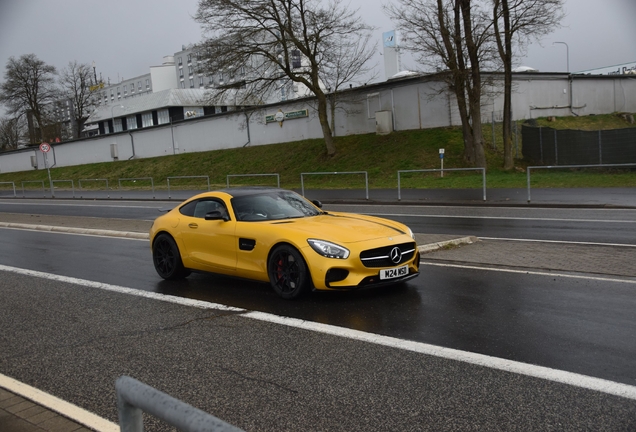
point(380, 156)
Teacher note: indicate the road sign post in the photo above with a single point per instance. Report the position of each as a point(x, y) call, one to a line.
point(45, 149)
point(441, 158)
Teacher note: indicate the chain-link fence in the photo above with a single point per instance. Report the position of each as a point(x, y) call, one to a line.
point(493, 133)
point(547, 146)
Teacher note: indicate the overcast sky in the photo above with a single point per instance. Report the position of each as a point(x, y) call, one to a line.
point(125, 38)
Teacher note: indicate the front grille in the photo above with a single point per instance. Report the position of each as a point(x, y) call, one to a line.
point(381, 257)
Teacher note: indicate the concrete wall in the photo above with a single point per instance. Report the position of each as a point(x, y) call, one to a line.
point(416, 103)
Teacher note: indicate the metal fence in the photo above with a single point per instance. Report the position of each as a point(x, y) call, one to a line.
point(144, 179)
point(12, 184)
point(93, 180)
point(493, 133)
point(187, 177)
point(483, 177)
point(33, 181)
point(253, 175)
point(135, 397)
point(366, 179)
point(606, 166)
point(548, 146)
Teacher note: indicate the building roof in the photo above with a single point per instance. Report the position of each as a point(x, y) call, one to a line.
point(149, 102)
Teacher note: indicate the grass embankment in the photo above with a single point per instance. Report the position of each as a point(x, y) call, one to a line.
point(380, 156)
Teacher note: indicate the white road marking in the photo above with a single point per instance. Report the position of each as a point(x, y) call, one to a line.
point(125, 235)
point(577, 380)
point(501, 218)
point(530, 272)
point(558, 241)
point(75, 413)
point(73, 204)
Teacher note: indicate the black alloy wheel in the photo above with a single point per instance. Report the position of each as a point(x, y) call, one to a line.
point(288, 272)
point(167, 260)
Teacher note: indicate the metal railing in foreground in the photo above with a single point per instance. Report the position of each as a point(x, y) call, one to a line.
point(572, 166)
point(135, 397)
point(366, 179)
point(62, 181)
point(252, 175)
point(33, 181)
point(13, 184)
point(93, 180)
point(152, 183)
point(187, 177)
point(483, 177)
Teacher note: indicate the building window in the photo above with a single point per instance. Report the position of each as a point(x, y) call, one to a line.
point(180, 61)
point(182, 84)
point(180, 73)
point(190, 70)
point(112, 95)
point(163, 116)
point(200, 81)
point(131, 122)
point(189, 58)
point(191, 83)
point(139, 85)
point(117, 125)
point(132, 88)
point(146, 119)
point(295, 58)
point(147, 84)
point(125, 90)
point(221, 77)
point(118, 93)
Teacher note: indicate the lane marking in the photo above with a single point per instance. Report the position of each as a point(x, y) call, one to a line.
point(120, 289)
point(503, 218)
point(577, 380)
point(555, 375)
point(75, 204)
point(558, 241)
point(530, 272)
point(67, 409)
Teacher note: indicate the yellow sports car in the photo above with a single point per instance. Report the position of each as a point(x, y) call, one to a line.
point(276, 235)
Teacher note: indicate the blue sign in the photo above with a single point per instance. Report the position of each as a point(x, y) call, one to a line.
point(389, 39)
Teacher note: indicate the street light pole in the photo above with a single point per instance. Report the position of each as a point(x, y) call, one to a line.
point(567, 52)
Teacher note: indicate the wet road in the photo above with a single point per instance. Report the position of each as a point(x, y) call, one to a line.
point(585, 326)
point(577, 225)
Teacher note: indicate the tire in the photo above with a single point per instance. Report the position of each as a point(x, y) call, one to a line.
point(167, 259)
point(288, 273)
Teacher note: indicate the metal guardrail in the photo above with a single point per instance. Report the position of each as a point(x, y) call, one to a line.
point(252, 175)
point(64, 181)
point(187, 177)
point(366, 179)
point(572, 166)
point(135, 397)
point(13, 184)
point(93, 180)
point(483, 177)
point(33, 181)
point(152, 183)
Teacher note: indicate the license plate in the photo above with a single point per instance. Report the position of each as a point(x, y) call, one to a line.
point(394, 272)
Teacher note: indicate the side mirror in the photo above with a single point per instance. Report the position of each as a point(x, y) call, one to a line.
point(217, 215)
point(316, 203)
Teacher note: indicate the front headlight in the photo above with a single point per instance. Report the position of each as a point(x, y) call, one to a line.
point(328, 249)
point(411, 233)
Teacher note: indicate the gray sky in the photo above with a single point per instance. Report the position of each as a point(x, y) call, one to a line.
point(125, 38)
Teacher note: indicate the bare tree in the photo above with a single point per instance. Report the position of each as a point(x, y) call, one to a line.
point(516, 23)
point(272, 42)
point(75, 81)
point(452, 36)
point(12, 130)
point(28, 87)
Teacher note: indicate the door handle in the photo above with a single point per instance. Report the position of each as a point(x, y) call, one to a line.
point(193, 225)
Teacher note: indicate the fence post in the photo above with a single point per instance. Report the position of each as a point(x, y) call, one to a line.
point(556, 148)
point(494, 143)
point(541, 144)
point(600, 149)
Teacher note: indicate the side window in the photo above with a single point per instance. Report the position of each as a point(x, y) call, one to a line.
point(200, 208)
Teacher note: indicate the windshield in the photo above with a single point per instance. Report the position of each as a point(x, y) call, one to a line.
point(273, 205)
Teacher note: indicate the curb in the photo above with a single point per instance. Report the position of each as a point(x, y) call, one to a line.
point(72, 230)
point(431, 247)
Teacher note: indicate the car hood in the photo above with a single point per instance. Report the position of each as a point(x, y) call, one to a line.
point(345, 227)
